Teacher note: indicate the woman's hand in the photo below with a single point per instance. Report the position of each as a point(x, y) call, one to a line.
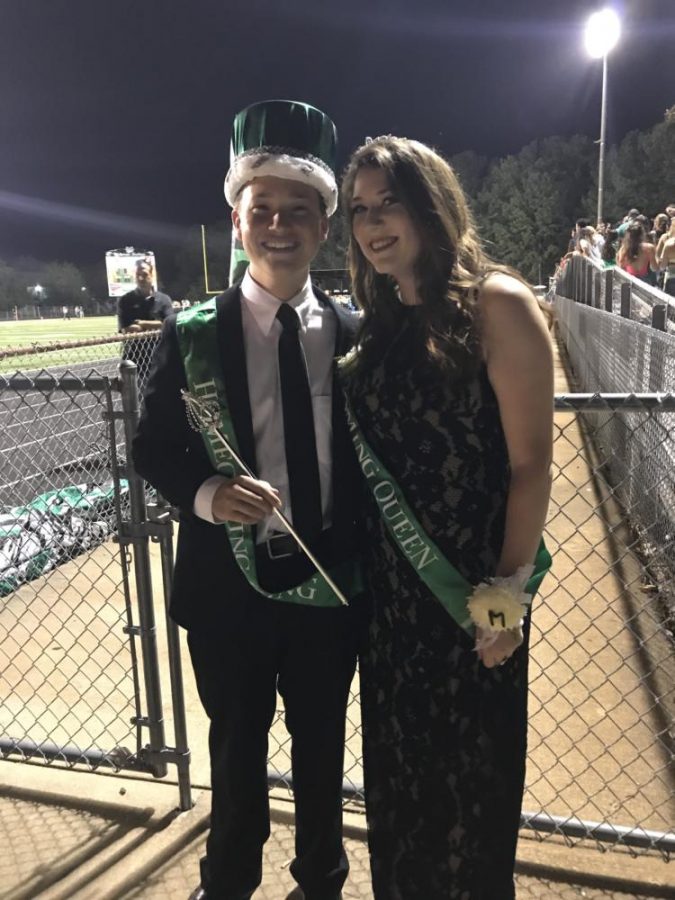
point(504, 646)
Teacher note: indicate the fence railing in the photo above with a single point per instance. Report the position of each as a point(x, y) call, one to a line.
point(614, 291)
point(611, 354)
point(99, 355)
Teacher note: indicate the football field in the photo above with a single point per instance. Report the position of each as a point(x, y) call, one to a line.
point(46, 331)
point(42, 332)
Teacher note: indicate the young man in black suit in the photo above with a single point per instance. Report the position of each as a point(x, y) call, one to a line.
point(258, 616)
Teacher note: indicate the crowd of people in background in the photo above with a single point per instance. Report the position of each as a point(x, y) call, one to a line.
point(642, 247)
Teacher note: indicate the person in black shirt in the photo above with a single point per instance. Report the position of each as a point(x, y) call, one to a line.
point(142, 309)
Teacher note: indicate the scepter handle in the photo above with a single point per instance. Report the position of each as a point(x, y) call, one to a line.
point(213, 427)
point(317, 565)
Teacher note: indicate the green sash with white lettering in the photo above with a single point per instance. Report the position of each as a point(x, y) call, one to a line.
point(449, 587)
point(197, 339)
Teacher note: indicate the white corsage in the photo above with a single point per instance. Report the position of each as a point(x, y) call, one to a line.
point(499, 605)
point(344, 362)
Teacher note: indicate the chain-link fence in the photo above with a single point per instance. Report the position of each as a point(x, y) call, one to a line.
point(602, 703)
point(64, 603)
point(98, 355)
point(602, 682)
point(79, 673)
point(612, 518)
point(602, 699)
point(612, 354)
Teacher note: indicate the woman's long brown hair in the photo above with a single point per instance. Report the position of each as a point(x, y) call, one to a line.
point(450, 268)
point(632, 242)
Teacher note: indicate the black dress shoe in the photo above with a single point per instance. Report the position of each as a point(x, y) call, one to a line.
point(198, 894)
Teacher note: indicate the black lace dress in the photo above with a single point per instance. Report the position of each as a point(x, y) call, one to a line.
point(444, 737)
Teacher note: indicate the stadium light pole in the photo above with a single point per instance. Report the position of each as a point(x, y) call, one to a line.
point(603, 30)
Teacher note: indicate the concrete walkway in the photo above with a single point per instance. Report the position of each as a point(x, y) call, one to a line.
point(74, 836)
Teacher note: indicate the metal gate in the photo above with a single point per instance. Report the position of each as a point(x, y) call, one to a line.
point(79, 665)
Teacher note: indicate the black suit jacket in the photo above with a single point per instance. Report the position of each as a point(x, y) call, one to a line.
point(172, 457)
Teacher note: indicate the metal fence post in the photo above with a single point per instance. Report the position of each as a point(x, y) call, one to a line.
point(656, 351)
point(597, 293)
point(609, 290)
point(141, 560)
point(588, 299)
point(659, 317)
point(161, 513)
point(626, 300)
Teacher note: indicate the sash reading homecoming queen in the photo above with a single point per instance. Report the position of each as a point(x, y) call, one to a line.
point(449, 587)
point(198, 342)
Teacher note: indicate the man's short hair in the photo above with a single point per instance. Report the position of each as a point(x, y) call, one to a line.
point(144, 262)
point(633, 213)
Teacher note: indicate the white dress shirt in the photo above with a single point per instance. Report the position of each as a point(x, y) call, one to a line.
point(261, 331)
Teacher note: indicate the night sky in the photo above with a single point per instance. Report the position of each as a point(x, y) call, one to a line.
point(115, 116)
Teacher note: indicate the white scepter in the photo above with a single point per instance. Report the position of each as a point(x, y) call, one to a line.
point(204, 417)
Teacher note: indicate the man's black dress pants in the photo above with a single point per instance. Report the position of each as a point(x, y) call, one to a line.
point(240, 659)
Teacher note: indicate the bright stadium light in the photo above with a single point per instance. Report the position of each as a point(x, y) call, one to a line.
point(603, 30)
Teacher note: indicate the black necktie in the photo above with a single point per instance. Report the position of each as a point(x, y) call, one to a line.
point(299, 435)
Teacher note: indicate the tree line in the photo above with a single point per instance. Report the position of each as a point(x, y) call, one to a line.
point(525, 205)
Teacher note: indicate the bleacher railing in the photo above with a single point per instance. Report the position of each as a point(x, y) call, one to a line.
point(615, 291)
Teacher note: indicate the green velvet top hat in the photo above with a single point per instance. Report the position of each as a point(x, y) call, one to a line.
point(286, 139)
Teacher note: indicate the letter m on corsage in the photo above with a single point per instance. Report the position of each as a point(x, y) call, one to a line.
point(497, 617)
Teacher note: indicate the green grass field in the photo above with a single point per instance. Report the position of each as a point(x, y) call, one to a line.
point(48, 331)
point(45, 331)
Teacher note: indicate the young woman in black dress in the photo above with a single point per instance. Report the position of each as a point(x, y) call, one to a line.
point(452, 387)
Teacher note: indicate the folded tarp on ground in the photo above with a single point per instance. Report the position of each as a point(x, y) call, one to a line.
point(52, 528)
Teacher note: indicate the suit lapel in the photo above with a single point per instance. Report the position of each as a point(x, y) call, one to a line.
point(233, 359)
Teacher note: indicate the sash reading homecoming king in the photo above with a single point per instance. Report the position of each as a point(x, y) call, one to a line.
point(197, 339)
point(449, 587)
